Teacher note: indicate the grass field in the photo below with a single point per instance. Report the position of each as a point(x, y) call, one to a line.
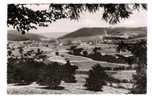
point(84, 64)
point(65, 88)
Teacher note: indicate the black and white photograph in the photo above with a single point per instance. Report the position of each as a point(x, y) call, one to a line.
point(76, 48)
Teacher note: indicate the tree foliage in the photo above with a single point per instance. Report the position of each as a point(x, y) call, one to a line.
point(33, 66)
point(69, 71)
point(51, 75)
point(140, 81)
point(139, 51)
point(24, 19)
point(96, 79)
point(24, 68)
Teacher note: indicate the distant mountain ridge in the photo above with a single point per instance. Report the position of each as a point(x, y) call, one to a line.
point(95, 31)
point(13, 35)
point(83, 33)
point(53, 35)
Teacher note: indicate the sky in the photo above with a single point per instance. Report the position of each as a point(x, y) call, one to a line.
point(62, 26)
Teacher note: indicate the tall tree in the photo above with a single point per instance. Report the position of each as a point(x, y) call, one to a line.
point(139, 51)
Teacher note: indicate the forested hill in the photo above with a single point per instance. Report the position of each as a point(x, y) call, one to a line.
point(86, 32)
point(13, 35)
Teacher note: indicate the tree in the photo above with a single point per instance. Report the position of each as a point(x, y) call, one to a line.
point(139, 51)
point(69, 71)
point(85, 53)
point(96, 53)
point(130, 60)
point(96, 79)
point(25, 67)
point(77, 51)
point(96, 49)
point(50, 75)
point(140, 81)
point(24, 19)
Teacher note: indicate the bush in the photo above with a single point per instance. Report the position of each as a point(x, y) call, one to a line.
point(57, 53)
point(96, 78)
point(139, 51)
point(95, 56)
point(20, 71)
point(77, 51)
point(11, 71)
point(140, 81)
point(31, 67)
point(25, 67)
point(51, 75)
point(69, 72)
point(85, 53)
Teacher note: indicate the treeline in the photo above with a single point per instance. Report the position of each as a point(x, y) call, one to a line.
point(97, 55)
point(31, 66)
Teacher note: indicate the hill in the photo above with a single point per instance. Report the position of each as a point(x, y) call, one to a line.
point(53, 35)
point(13, 35)
point(97, 31)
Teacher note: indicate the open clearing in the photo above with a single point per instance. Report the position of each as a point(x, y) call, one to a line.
point(84, 65)
point(77, 88)
point(68, 88)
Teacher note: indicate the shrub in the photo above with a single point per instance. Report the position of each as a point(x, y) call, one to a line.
point(95, 56)
point(85, 53)
point(96, 78)
point(69, 72)
point(96, 49)
point(25, 67)
point(140, 81)
point(51, 75)
point(57, 53)
point(139, 51)
point(10, 71)
point(31, 67)
point(22, 71)
point(77, 51)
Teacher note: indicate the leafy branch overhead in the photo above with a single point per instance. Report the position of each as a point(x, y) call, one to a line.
point(24, 19)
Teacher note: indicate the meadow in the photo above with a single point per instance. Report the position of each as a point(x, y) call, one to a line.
point(123, 78)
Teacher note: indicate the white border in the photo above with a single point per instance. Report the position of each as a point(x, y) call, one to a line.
point(3, 57)
point(77, 1)
point(3, 50)
point(149, 51)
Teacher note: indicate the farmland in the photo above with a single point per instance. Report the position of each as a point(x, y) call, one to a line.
point(31, 59)
point(84, 65)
